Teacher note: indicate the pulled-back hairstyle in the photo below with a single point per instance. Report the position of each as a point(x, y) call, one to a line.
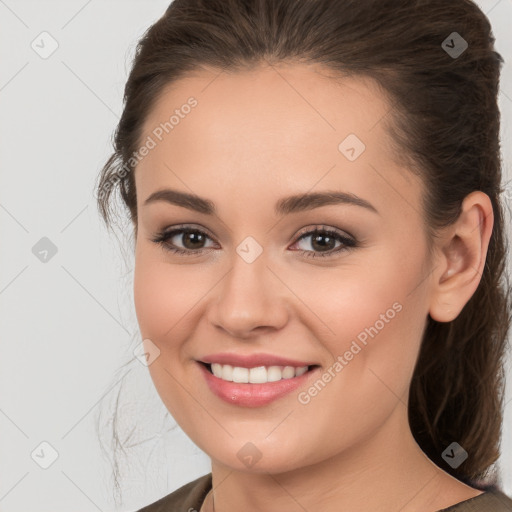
point(445, 125)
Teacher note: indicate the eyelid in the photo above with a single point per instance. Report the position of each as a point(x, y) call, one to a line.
point(191, 227)
point(324, 227)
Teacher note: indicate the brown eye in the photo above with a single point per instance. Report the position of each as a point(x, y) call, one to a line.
point(323, 243)
point(193, 240)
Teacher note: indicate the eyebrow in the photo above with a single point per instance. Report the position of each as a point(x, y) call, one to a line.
point(287, 205)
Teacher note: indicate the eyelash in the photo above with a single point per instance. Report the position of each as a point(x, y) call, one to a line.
point(348, 243)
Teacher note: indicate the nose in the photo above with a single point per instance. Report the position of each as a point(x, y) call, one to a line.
point(251, 300)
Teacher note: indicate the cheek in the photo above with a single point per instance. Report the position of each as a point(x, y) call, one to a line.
point(348, 301)
point(164, 296)
point(164, 301)
point(377, 328)
point(373, 317)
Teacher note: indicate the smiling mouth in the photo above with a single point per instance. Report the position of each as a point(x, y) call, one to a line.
point(257, 374)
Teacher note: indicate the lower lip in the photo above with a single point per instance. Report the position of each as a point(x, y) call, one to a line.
point(252, 395)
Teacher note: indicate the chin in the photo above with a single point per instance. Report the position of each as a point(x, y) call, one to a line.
point(247, 457)
point(273, 467)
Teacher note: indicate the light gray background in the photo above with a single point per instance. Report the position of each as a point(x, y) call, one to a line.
point(68, 325)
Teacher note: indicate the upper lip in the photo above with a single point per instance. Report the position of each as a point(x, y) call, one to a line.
point(253, 360)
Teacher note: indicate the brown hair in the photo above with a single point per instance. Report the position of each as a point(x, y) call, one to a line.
point(445, 125)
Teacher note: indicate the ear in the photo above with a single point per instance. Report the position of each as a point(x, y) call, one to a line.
point(460, 257)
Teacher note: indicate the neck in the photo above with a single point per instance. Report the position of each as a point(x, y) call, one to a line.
point(386, 472)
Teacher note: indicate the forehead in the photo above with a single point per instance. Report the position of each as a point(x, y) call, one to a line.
point(280, 128)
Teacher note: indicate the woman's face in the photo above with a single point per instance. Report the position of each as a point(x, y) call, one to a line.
point(266, 290)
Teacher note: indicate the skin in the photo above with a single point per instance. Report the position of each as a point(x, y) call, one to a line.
point(255, 137)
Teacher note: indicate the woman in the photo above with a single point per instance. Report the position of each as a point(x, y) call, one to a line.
point(314, 188)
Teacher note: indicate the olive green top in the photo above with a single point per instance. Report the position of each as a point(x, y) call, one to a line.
point(190, 497)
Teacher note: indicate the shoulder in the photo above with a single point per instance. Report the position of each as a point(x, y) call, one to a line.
point(492, 500)
point(187, 498)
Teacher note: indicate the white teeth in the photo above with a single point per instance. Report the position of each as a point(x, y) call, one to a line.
point(240, 374)
point(288, 372)
point(216, 370)
point(256, 375)
point(300, 371)
point(226, 372)
point(274, 373)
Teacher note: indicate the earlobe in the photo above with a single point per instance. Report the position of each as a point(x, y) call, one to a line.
point(461, 258)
